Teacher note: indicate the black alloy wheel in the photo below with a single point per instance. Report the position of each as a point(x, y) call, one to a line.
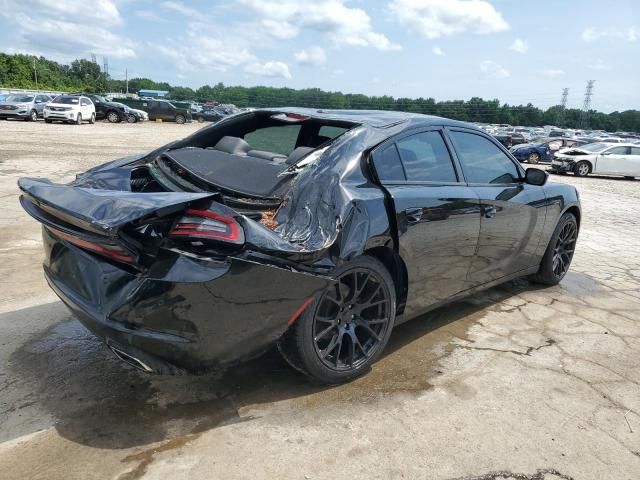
point(533, 158)
point(113, 117)
point(559, 254)
point(344, 330)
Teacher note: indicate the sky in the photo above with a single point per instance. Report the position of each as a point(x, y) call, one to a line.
point(513, 50)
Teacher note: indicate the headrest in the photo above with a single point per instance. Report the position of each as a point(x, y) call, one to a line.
point(298, 153)
point(233, 145)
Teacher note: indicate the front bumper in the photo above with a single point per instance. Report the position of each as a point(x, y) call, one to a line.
point(22, 113)
point(68, 115)
point(184, 314)
point(562, 165)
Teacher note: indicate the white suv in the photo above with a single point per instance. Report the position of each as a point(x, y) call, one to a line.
point(70, 109)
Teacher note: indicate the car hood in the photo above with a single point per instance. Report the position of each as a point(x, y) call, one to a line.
point(574, 151)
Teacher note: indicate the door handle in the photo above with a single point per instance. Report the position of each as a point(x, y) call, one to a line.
point(414, 215)
point(490, 212)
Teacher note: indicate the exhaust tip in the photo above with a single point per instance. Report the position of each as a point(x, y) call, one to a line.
point(131, 360)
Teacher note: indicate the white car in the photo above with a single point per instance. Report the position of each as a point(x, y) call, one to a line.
point(70, 109)
point(621, 159)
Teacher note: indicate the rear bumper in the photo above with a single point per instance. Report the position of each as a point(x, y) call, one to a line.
point(183, 315)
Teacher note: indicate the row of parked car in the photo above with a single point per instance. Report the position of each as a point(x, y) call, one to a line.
point(68, 108)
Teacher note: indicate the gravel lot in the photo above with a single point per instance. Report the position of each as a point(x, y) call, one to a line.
point(516, 382)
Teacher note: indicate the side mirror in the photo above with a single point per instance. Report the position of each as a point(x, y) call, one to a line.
point(535, 176)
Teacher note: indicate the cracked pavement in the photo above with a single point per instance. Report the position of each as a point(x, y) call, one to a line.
point(518, 382)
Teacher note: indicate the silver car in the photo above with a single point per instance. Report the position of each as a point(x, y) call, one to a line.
point(27, 106)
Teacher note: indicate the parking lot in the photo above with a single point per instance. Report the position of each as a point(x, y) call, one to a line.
point(516, 382)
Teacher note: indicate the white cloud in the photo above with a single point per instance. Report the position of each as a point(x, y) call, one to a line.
point(312, 56)
point(436, 18)
point(66, 29)
point(593, 34)
point(492, 69)
point(598, 65)
point(343, 25)
point(199, 53)
point(149, 15)
point(438, 51)
point(182, 9)
point(519, 46)
point(551, 72)
point(269, 69)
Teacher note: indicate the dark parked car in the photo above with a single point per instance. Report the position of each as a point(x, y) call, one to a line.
point(543, 149)
point(314, 230)
point(114, 112)
point(160, 109)
point(215, 114)
point(504, 138)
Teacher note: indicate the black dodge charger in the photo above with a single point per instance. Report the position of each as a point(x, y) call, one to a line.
point(314, 230)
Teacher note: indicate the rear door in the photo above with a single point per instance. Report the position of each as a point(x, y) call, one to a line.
point(437, 215)
point(513, 212)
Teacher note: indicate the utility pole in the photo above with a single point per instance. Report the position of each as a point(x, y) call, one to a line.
point(35, 71)
point(563, 106)
point(584, 116)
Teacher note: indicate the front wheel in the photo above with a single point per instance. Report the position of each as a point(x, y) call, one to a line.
point(33, 116)
point(79, 119)
point(557, 258)
point(180, 119)
point(582, 169)
point(533, 158)
point(131, 118)
point(346, 327)
point(92, 120)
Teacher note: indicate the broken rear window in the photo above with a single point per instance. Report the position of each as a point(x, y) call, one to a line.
point(280, 139)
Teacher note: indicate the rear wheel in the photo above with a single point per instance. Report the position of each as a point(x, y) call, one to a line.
point(180, 119)
point(533, 158)
point(79, 119)
point(557, 258)
point(113, 117)
point(582, 169)
point(346, 327)
point(200, 119)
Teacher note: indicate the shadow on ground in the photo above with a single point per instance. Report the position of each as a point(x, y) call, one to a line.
point(101, 402)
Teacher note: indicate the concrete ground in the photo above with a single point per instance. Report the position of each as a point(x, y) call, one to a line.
point(517, 382)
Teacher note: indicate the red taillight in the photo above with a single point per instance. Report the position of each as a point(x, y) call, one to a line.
point(106, 249)
point(204, 224)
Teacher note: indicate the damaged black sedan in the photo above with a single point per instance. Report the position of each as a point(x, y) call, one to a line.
point(314, 230)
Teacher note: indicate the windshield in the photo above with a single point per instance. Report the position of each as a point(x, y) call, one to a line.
point(20, 98)
point(594, 147)
point(67, 100)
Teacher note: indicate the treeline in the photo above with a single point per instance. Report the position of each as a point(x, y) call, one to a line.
point(17, 71)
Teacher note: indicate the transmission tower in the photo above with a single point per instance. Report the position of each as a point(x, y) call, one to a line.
point(105, 66)
point(93, 58)
point(584, 115)
point(563, 106)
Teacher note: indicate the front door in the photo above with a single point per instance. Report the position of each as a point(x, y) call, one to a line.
point(614, 161)
point(437, 216)
point(513, 212)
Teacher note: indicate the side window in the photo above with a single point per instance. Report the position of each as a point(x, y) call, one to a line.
point(280, 140)
point(482, 161)
point(635, 151)
point(570, 143)
point(618, 151)
point(330, 131)
point(84, 102)
point(555, 145)
point(425, 158)
point(387, 164)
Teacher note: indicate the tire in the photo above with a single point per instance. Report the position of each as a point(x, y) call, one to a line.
point(200, 119)
point(582, 169)
point(92, 120)
point(559, 253)
point(533, 158)
point(46, 120)
point(321, 344)
point(132, 118)
point(113, 117)
point(79, 119)
point(33, 116)
point(180, 119)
